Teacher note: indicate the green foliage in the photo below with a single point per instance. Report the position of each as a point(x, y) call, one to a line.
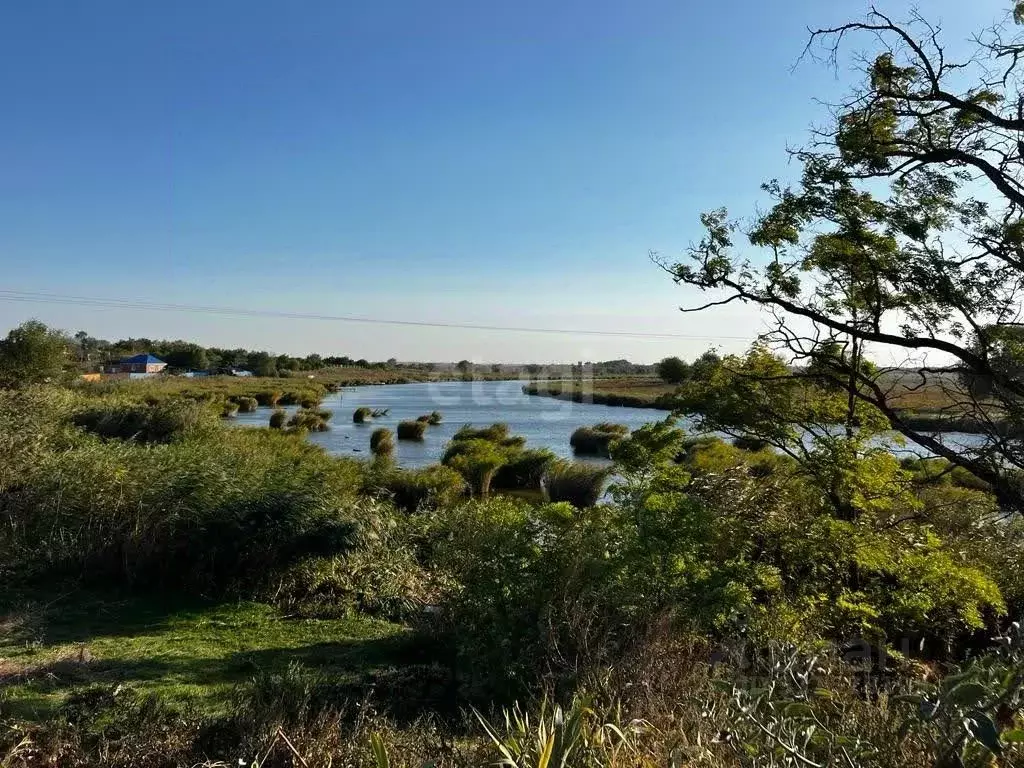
point(435, 418)
point(477, 460)
point(418, 490)
point(278, 418)
point(245, 404)
point(673, 370)
point(524, 470)
point(309, 420)
point(411, 430)
point(581, 485)
point(382, 445)
point(362, 414)
point(494, 433)
point(163, 422)
point(596, 440)
point(30, 354)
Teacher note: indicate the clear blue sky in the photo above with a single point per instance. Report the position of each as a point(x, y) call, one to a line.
point(478, 162)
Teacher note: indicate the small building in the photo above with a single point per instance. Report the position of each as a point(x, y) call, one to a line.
point(144, 363)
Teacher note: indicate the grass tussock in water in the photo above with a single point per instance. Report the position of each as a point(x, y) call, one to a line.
point(411, 430)
point(582, 485)
point(596, 440)
point(382, 443)
point(311, 420)
point(278, 419)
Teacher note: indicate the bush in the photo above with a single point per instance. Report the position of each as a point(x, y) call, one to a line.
point(268, 399)
point(477, 461)
point(381, 443)
point(411, 430)
point(494, 433)
point(308, 420)
point(229, 409)
point(417, 490)
point(161, 423)
point(223, 511)
point(582, 485)
point(246, 404)
point(424, 419)
point(752, 444)
point(277, 419)
point(595, 440)
point(361, 415)
point(524, 470)
point(435, 418)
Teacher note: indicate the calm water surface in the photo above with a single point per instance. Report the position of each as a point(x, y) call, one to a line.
point(543, 421)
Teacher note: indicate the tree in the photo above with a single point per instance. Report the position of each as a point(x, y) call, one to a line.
point(32, 353)
point(904, 237)
point(186, 356)
point(673, 370)
point(464, 367)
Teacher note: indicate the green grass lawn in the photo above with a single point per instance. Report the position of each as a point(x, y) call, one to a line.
point(186, 654)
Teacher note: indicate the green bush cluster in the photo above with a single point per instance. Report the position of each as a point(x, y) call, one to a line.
point(490, 457)
point(596, 440)
point(310, 419)
point(163, 422)
point(411, 430)
point(382, 445)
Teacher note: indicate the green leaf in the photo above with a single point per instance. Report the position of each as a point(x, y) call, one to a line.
point(981, 727)
point(1014, 737)
point(797, 709)
point(968, 694)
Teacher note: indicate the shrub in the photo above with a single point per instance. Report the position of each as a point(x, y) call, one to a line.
point(269, 399)
point(435, 418)
point(229, 409)
point(308, 420)
point(752, 444)
point(477, 461)
point(246, 404)
point(324, 414)
point(381, 443)
point(361, 415)
point(524, 470)
point(228, 510)
point(160, 423)
point(595, 440)
point(494, 433)
point(309, 401)
point(582, 485)
point(277, 419)
point(416, 490)
point(424, 419)
point(411, 430)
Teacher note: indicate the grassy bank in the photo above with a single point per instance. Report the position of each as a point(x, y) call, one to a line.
point(633, 392)
point(187, 653)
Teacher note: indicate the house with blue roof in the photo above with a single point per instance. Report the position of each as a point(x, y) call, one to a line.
point(145, 363)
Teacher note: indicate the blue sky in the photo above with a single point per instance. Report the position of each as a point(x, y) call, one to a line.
point(477, 162)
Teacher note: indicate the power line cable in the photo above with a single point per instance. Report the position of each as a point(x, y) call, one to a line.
point(91, 301)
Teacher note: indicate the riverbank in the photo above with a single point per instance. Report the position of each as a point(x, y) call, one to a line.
point(630, 392)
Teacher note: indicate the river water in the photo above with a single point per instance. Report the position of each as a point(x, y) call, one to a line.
point(544, 421)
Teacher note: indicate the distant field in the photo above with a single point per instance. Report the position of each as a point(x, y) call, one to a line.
point(631, 391)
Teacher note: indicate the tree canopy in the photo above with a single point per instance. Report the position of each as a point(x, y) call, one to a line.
point(903, 238)
point(30, 354)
